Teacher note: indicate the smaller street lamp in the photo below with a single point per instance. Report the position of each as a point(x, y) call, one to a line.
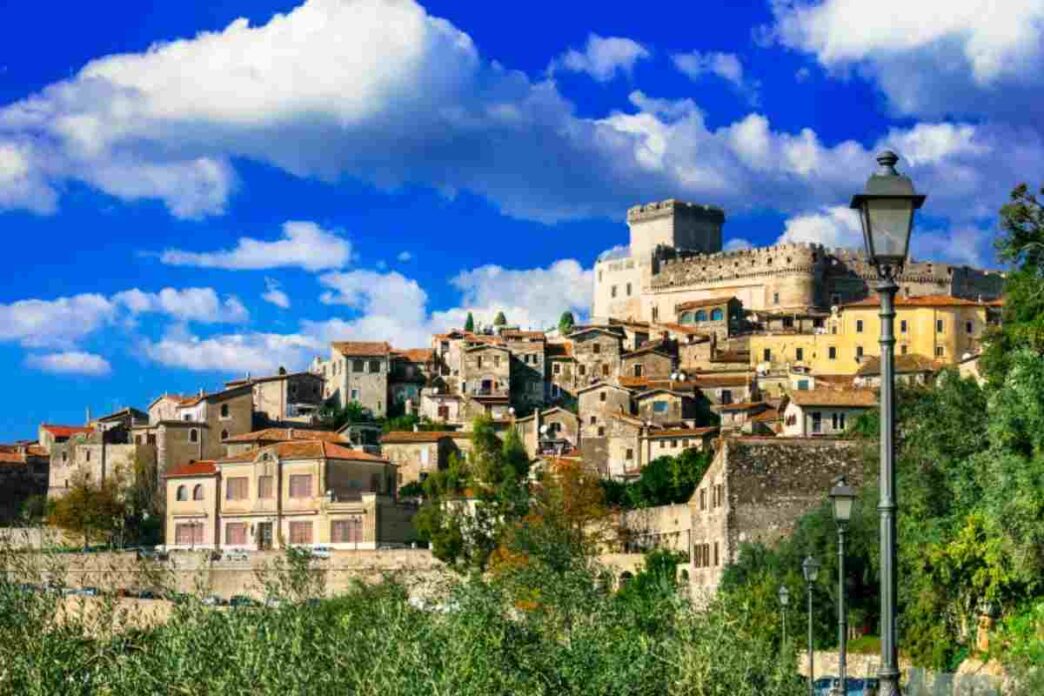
point(784, 600)
point(810, 569)
point(842, 498)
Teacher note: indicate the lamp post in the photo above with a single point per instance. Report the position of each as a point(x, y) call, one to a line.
point(810, 569)
point(842, 497)
point(886, 211)
point(784, 600)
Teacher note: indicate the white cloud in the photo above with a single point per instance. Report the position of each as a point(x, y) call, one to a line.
point(304, 244)
point(274, 295)
point(187, 304)
point(602, 57)
point(404, 256)
point(232, 353)
point(929, 57)
point(833, 227)
point(54, 323)
point(529, 297)
point(726, 66)
point(737, 243)
point(70, 363)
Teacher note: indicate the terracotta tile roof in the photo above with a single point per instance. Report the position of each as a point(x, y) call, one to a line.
point(286, 435)
point(627, 418)
point(241, 457)
point(486, 346)
point(769, 416)
point(65, 430)
point(648, 383)
point(683, 329)
point(744, 406)
point(417, 355)
point(921, 301)
point(204, 467)
point(683, 432)
point(559, 350)
point(710, 380)
point(652, 347)
point(707, 302)
point(911, 362)
point(663, 390)
point(9, 458)
point(235, 383)
point(410, 436)
point(517, 333)
point(362, 348)
point(856, 398)
point(320, 449)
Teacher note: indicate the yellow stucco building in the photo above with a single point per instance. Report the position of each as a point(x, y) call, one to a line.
point(941, 328)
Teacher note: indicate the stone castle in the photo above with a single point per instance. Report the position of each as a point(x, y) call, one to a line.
point(675, 256)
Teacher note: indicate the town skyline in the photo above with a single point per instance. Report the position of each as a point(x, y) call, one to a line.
point(156, 257)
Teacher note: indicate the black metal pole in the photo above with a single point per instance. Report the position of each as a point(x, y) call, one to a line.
point(811, 671)
point(887, 506)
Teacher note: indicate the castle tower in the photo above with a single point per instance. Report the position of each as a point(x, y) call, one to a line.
point(675, 224)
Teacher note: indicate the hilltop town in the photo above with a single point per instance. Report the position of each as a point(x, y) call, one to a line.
point(765, 357)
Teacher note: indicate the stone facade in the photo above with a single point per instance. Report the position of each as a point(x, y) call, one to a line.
point(284, 397)
point(416, 455)
point(665, 406)
point(651, 363)
point(357, 371)
point(597, 353)
point(23, 473)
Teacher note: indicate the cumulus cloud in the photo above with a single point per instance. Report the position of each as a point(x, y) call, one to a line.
point(188, 304)
point(304, 245)
point(72, 362)
point(274, 295)
point(55, 323)
point(833, 227)
point(603, 57)
point(232, 353)
point(737, 243)
point(726, 66)
point(404, 256)
point(930, 58)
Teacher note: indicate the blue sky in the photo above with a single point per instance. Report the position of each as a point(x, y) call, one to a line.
point(191, 191)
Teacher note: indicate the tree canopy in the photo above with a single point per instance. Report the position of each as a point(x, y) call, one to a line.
point(566, 323)
point(469, 323)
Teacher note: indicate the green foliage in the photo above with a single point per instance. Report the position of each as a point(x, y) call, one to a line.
point(413, 489)
point(469, 323)
point(334, 417)
point(664, 481)
point(410, 421)
point(92, 513)
point(35, 509)
point(566, 322)
point(500, 319)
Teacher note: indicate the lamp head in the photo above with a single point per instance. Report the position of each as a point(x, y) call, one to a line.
point(810, 568)
point(886, 211)
point(842, 497)
point(784, 595)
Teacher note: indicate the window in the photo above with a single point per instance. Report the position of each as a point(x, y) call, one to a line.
point(236, 488)
point(703, 498)
point(354, 395)
point(788, 322)
point(715, 553)
point(800, 353)
point(193, 435)
point(182, 493)
point(87, 455)
point(838, 420)
point(859, 326)
point(701, 315)
point(655, 313)
point(197, 492)
point(726, 396)
point(601, 431)
point(717, 315)
point(939, 351)
point(556, 369)
point(719, 490)
point(375, 366)
point(660, 406)
point(602, 396)
point(300, 485)
point(817, 422)
point(612, 291)
point(628, 289)
point(605, 370)
point(357, 366)
point(224, 434)
point(265, 489)
point(347, 531)
point(496, 361)
point(939, 326)
point(236, 534)
point(832, 353)
point(65, 456)
point(596, 348)
point(300, 532)
point(767, 354)
point(674, 444)
point(968, 327)
point(902, 326)
point(188, 534)
point(859, 352)
point(629, 454)
point(581, 370)
point(775, 298)
point(187, 417)
point(638, 370)
point(224, 410)
point(902, 349)
point(594, 420)
point(802, 385)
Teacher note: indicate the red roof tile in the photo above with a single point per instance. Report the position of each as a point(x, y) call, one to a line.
point(66, 430)
point(416, 355)
point(364, 348)
point(205, 467)
point(409, 436)
point(920, 301)
point(706, 302)
point(287, 435)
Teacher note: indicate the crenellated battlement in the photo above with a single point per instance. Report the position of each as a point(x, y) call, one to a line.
point(672, 206)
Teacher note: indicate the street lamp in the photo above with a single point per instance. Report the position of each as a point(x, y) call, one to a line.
point(810, 569)
point(784, 600)
point(842, 498)
point(886, 210)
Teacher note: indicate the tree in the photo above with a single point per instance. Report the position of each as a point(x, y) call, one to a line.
point(566, 322)
point(469, 323)
point(663, 481)
point(1022, 246)
point(87, 511)
point(500, 319)
point(334, 417)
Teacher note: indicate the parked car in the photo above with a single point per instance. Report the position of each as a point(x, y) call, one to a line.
point(321, 551)
point(243, 601)
point(853, 686)
point(214, 601)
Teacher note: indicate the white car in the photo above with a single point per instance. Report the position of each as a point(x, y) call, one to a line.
point(321, 551)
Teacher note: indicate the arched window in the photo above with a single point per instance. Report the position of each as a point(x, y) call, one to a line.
point(193, 435)
point(701, 315)
point(686, 318)
point(182, 493)
point(717, 315)
point(197, 492)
